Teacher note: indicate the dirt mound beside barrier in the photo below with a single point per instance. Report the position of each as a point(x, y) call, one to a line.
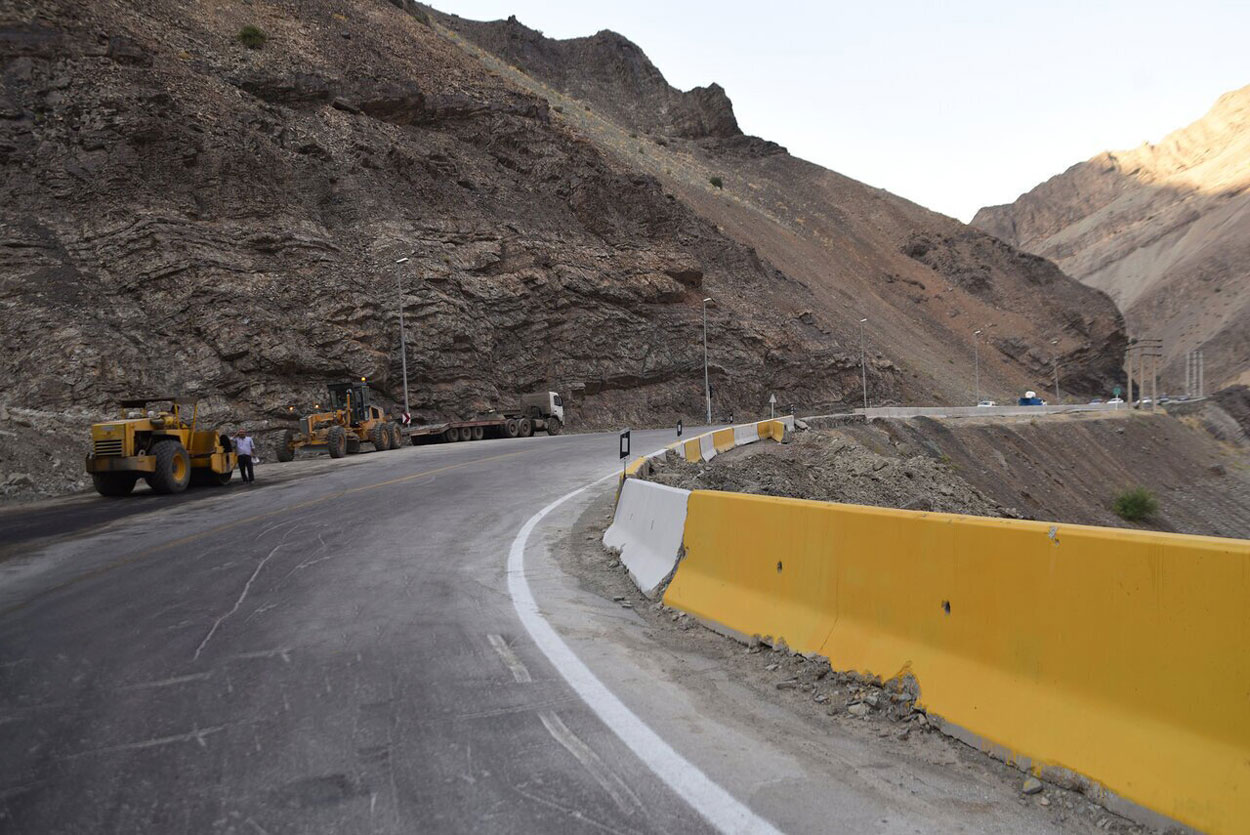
point(830, 467)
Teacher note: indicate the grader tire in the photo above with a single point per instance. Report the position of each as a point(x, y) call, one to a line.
point(524, 427)
point(286, 447)
point(114, 484)
point(510, 428)
point(173, 468)
point(554, 427)
point(336, 441)
point(381, 437)
point(222, 479)
point(397, 436)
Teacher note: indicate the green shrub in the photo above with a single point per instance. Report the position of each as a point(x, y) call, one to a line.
point(716, 181)
point(1136, 504)
point(251, 37)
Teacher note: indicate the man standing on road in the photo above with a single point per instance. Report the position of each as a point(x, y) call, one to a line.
point(243, 447)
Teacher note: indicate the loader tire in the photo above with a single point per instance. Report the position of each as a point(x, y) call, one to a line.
point(554, 426)
point(381, 437)
point(173, 468)
point(524, 428)
point(114, 484)
point(336, 441)
point(397, 436)
point(286, 446)
point(510, 428)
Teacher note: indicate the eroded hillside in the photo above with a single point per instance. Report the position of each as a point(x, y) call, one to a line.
point(925, 282)
point(1163, 229)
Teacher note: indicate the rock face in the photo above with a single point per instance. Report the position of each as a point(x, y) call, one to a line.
point(184, 213)
point(1164, 230)
point(925, 282)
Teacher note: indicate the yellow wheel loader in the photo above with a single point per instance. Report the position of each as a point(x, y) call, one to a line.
point(351, 421)
point(152, 441)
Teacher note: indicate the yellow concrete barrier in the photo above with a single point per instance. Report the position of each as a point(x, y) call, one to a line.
point(1119, 655)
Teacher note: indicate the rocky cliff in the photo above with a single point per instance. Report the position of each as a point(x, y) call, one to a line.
point(209, 198)
point(1163, 229)
point(925, 282)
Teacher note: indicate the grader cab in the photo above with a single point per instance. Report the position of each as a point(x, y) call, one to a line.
point(152, 441)
point(350, 421)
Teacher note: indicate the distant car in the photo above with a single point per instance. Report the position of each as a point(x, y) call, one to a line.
point(1115, 401)
point(987, 403)
point(1096, 401)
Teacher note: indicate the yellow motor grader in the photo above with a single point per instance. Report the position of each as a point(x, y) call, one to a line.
point(152, 441)
point(351, 421)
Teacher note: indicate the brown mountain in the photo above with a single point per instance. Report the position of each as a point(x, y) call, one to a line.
point(924, 281)
point(1163, 229)
point(183, 211)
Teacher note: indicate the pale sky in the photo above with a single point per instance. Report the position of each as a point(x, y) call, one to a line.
point(955, 105)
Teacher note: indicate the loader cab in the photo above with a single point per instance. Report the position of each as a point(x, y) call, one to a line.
point(352, 398)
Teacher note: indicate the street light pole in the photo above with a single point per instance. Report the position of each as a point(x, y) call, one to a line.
point(976, 358)
point(403, 342)
point(863, 363)
point(707, 386)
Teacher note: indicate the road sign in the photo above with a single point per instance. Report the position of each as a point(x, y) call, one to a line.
point(625, 444)
point(772, 405)
point(1117, 391)
point(679, 428)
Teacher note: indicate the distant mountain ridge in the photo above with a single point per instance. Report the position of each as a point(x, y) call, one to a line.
point(1164, 229)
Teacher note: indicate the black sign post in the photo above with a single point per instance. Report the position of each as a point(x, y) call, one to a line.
point(624, 451)
point(679, 428)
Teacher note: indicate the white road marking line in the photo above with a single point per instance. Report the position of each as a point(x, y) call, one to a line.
point(197, 735)
point(623, 796)
point(519, 672)
point(166, 682)
point(717, 806)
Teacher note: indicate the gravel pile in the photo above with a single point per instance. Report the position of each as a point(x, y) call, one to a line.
point(833, 468)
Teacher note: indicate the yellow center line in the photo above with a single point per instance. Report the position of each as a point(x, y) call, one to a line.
point(173, 543)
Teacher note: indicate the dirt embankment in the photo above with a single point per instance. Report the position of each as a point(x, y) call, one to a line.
point(833, 468)
point(1064, 468)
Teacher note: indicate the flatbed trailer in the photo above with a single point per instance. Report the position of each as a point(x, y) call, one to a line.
point(493, 426)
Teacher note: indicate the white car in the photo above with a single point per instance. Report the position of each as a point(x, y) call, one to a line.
point(1115, 401)
point(987, 403)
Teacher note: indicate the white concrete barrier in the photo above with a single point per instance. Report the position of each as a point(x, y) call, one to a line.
point(647, 530)
point(707, 446)
point(747, 433)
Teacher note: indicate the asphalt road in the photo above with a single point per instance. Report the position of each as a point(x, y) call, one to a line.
point(336, 649)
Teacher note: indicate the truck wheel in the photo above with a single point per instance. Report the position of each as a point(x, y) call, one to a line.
point(510, 428)
point(381, 437)
point(286, 446)
point(524, 428)
point(114, 484)
point(478, 433)
point(554, 426)
point(397, 436)
point(450, 434)
point(464, 433)
point(173, 468)
point(336, 441)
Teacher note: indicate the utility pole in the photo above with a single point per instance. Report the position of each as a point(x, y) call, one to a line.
point(403, 342)
point(1057, 400)
point(976, 359)
point(707, 386)
point(863, 363)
